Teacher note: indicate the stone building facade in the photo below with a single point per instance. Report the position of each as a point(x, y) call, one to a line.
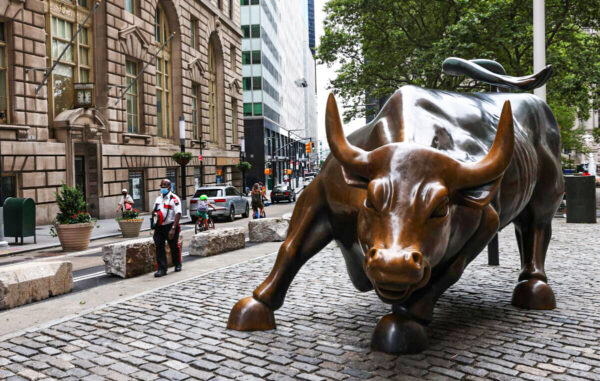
point(47, 139)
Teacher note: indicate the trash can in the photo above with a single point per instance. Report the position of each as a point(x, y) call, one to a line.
point(581, 199)
point(19, 218)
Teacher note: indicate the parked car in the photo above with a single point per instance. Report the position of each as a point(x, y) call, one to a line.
point(281, 193)
point(308, 180)
point(226, 197)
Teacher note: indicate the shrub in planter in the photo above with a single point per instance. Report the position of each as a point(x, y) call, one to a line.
point(130, 223)
point(73, 224)
point(182, 158)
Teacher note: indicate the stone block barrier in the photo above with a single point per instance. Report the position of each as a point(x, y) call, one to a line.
point(131, 258)
point(25, 283)
point(268, 229)
point(218, 241)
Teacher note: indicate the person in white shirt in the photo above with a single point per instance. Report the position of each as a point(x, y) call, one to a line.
point(167, 213)
point(125, 202)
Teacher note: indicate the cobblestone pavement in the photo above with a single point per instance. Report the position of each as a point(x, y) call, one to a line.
point(325, 326)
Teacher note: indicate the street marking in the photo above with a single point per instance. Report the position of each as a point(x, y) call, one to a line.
point(102, 273)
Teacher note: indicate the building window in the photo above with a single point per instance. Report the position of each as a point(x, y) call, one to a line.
point(132, 97)
point(257, 109)
point(246, 58)
point(256, 57)
point(75, 65)
point(230, 9)
point(220, 4)
point(255, 31)
point(232, 57)
point(194, 33)
point(196, 118)
point(247, 83)
point(256, 83)
point(212, 94)
point(9, 188)
point(247, 109)
point(246, 31)
point(130, 6)
point(163, 80)
point(234, 120)
point(4, 94)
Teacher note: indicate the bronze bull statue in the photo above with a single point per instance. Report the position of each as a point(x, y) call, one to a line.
point(417, 194)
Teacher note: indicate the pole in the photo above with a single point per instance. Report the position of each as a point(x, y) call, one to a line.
point(183, 177)
point(3, 243)
point(539, 42)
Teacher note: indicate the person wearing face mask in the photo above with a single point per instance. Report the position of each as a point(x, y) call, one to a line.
point(166, 214)
point(125, 203)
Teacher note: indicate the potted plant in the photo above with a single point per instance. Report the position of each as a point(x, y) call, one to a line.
point(182, 158)
point(73, 224)
point(244, 166)
point(130, 223)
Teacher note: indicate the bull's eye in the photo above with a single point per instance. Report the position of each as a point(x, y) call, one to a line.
point(442, 210)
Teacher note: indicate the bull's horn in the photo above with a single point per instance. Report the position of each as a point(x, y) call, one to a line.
point(493, 165)
point(352, 158)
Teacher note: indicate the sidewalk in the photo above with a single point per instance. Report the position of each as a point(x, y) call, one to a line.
point(104, 228)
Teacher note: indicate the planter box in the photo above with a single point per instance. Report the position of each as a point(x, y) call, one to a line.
point(132, 258)
point(212, 242)
point(131, 228)
point(75, 237)
point(29, 282)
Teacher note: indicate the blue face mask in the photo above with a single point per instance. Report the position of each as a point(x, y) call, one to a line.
point(164, 191)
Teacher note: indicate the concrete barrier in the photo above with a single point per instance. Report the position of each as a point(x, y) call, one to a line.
point(30, 282)
point(131, 258)
point(268, 229)
point(218, 241)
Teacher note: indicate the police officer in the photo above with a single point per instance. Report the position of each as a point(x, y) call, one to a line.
point(167, 213)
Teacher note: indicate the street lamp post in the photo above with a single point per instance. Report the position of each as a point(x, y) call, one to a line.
point(183, 177)
point(242, 159)
point(539, 42)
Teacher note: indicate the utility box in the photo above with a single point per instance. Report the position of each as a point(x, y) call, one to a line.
point(19, 218)
point(581, 199)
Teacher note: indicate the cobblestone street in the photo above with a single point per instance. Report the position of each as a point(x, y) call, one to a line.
point(324, 328)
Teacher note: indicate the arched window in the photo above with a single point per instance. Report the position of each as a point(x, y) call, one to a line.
point(212, 95)
point(76, 64)
point(163, 75)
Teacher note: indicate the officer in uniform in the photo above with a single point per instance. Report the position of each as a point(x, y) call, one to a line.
point(167, 213)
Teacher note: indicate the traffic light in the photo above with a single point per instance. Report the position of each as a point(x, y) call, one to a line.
point(267, 171)
point(308, 147)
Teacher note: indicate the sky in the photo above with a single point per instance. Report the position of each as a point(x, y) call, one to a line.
point(324, 75)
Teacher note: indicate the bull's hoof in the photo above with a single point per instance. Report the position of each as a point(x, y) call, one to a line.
point(533, 294)
point(251, 315)
point(398, 334)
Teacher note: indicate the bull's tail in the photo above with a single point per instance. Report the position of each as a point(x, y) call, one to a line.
point(493, 73)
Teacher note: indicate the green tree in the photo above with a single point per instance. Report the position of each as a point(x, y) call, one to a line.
point(381, 45)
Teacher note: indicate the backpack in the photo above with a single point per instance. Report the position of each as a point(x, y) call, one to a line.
point(256, 197)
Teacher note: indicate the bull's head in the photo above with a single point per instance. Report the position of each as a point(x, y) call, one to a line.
point(413, 193)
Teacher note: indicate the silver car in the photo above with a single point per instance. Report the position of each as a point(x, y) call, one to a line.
point(226, 198)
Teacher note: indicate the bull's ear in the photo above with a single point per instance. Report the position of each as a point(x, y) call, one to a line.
point(354, 180)
point(478, 197)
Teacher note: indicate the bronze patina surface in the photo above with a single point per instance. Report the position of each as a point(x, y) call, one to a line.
point(417, 194)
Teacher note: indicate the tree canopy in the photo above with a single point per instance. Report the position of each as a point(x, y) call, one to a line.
point(381, 45)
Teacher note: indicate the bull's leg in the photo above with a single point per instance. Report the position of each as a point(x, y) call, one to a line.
point(308, 233)
point(533, 291)
point(404, 330)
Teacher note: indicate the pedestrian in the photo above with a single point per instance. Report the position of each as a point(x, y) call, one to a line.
point(125, 202)
point(167, 213)
point(257, 200)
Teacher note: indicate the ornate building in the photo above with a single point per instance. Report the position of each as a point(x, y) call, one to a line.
point(111, 135)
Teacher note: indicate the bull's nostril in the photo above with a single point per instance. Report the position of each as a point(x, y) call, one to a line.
point(371, 254)
point(416, 257)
